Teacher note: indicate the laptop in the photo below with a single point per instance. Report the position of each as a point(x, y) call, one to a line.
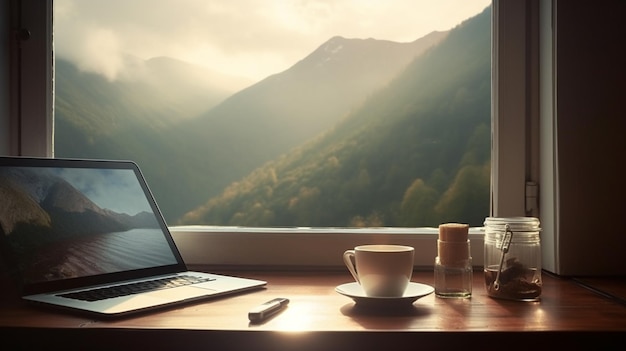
point(87, 235)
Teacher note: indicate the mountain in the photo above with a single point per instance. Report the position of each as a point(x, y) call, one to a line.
point(189, 159)
point(131, 117)
point(280, 112)
point(29, 210)
point(50, 204)
point(416, 153)
point(156, 93)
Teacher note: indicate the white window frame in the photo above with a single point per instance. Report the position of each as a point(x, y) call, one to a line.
point(513, 112)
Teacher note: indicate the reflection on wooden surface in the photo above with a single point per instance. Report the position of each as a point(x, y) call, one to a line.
point(318, 314)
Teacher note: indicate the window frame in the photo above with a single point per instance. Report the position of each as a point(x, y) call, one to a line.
point(30, 88)
point(514, 96)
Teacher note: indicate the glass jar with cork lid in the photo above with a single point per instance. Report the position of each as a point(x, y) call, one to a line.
point(513, 258)
point(453, 264)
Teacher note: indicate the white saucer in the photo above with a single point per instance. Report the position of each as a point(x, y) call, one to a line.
point(413, 292)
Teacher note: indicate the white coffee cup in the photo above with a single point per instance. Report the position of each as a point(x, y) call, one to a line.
point(381, 270)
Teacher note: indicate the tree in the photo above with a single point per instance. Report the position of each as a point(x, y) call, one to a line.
point(417, 205)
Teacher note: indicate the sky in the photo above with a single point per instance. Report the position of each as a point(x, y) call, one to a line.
point(112, 189)
point(245, 38)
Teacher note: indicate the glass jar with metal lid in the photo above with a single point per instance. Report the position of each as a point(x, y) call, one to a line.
point(513, 258)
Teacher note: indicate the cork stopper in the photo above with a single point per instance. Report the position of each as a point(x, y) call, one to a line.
point(456, 232)
point(453, 243)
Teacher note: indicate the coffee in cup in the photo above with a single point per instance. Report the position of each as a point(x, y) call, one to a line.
point(381, 270)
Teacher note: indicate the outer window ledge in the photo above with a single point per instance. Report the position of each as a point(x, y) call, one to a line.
point(302, 247)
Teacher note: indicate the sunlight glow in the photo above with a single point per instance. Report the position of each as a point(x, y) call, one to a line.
point(239, 38)
point(297, 317)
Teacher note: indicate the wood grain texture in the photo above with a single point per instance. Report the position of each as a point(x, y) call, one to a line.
point(319, 318)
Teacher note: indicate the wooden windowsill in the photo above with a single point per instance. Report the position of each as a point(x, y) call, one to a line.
point(319, 317)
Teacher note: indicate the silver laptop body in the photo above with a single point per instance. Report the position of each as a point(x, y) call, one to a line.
point(87, 235)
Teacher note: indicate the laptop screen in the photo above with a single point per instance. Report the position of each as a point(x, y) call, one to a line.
point(71, 220)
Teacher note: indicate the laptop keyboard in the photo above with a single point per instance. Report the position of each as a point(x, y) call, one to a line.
point(135, 288)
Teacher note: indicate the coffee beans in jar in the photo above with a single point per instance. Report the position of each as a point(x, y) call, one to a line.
point(513, 258)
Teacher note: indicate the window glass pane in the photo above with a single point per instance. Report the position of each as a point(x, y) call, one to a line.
point(278, 113)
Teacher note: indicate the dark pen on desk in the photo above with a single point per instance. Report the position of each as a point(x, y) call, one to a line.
point(267, 309)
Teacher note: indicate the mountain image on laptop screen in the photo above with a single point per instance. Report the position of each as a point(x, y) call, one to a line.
point(72, 222)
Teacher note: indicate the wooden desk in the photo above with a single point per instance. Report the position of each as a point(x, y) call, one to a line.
point(318, 318)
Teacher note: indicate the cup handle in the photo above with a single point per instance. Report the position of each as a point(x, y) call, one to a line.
point(348, 259)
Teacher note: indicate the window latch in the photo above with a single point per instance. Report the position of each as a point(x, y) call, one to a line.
point(532, 193)
point(22, 34)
